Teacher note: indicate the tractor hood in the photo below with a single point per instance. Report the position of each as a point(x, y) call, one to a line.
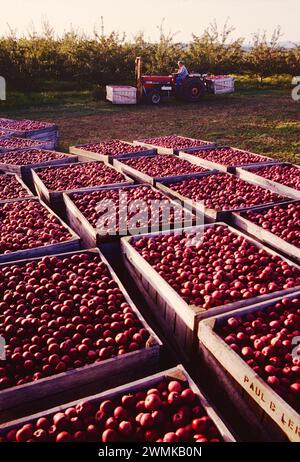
point(157, 79)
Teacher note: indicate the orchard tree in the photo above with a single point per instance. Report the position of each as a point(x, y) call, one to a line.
point(266, 57)
point(166, 52)
point(38, 60)
point(293, 61)
point(215, 51)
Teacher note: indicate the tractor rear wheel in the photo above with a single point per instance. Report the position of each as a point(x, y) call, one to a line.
point(154, 97)
point(193, 90)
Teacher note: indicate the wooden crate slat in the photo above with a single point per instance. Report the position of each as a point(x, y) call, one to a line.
point(232, 391)
point(24, 186)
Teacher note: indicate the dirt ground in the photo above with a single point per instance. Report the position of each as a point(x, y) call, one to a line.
point(263, 120)
point(261, 124)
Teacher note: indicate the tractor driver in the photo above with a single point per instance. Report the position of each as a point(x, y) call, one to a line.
point(181, 74)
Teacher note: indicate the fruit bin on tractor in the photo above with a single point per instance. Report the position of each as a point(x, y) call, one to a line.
point(153, 88)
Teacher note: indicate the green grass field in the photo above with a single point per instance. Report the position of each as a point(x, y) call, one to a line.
point(262, 119)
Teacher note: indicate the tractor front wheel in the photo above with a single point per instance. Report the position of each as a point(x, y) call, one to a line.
point(154, 97)
point(193, 90)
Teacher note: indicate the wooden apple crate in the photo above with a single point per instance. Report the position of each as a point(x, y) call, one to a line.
point(106, 373)
point(178, 319)
point(24, 171)
point(48, 145)
point(220, 85)
point(176, 373)
point(215, 215)
point(121, 94)
point(72, 244)
point(5, 133)
point(42, 134)
point(162, 150)
point(84, 154)
point(29, 194)
point(48, 133)
point(249, 393)
point(56, 197)
point(141, 177)
point(265, 236)
point(138, 176)
point(274, 186)
point(188, 155)
point(93, 236)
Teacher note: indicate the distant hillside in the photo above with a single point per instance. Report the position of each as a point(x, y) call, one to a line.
point(288, 45)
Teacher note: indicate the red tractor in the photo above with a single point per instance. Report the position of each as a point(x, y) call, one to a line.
point(153, 87)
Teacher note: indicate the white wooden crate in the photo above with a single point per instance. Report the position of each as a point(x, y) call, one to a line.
point(220, 86)
point(121, 94)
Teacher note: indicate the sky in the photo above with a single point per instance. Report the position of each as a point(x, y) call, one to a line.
point(131, 16)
